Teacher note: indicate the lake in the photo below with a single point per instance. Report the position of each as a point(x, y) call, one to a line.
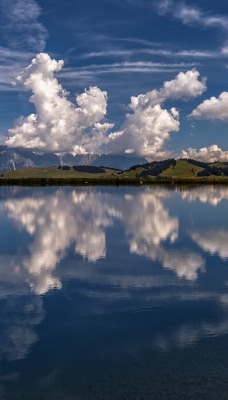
point(114, 293)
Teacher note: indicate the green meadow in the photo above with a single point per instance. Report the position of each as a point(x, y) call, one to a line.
point(181, 171)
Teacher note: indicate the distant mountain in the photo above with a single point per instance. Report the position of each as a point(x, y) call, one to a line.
point(19, 158)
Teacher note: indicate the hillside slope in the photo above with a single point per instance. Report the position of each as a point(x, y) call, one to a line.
point(167, 171)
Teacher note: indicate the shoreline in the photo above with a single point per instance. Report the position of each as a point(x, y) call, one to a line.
point(108, 182)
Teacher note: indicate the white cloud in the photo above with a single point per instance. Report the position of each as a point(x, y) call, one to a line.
point(124, 67)
point(224, 50)
point(213, 108)
point(149, 126)
point(185, 85)
point(198, 53)
point(58, 125)
point(145, 131)
point(207, 154)
point(163, 52)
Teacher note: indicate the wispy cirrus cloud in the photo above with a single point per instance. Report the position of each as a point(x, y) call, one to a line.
point(123, 67)
point(22, 37)
point(190, 15)
point(189, 53)
point(11, 64)
point(20, 25)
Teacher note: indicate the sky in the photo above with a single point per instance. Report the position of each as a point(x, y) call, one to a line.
point(115, 76)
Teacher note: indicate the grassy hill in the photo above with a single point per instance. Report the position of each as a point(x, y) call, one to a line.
point(54, 173)
point(167, 171)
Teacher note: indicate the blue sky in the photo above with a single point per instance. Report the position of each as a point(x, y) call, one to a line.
point(123, 47)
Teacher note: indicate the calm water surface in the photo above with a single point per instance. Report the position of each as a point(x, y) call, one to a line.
point(114, 293)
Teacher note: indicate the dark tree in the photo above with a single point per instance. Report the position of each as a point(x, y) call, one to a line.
point(204, 172)
point(89, 169)
point(157, 167)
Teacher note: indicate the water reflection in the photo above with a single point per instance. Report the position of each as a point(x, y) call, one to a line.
point(55, 222)
point(213, 241)
point(61, 218)
point(129, 250)
point(18, 320)
point(212, 195)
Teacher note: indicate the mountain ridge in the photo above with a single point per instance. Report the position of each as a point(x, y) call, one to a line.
point(20, 158)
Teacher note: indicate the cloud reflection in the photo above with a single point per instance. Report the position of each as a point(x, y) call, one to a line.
point(18, 319)
point(215, 242)
point(79, 218)
point(55, 223)
point(209, 194)
point(59, 221)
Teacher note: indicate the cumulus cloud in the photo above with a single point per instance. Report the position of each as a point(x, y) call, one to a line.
point(146, 129)
point(185, 85)
point(213, 108)
point(60, 125)
point(208, 154)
